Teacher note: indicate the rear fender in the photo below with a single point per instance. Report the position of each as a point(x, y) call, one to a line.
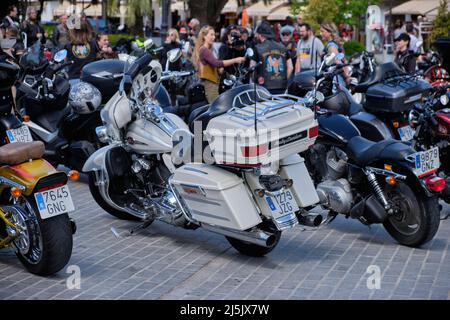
point(28, 174)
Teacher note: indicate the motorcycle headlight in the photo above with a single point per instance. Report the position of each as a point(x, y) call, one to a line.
point(444, 99)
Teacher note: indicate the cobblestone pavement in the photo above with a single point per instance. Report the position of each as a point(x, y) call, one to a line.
point(164, 262)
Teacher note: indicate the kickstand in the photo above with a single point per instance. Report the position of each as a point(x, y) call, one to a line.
point(133, 230)
point(331, 216)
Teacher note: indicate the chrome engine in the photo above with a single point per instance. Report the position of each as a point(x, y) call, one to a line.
point(336, 195)
point(334, 191)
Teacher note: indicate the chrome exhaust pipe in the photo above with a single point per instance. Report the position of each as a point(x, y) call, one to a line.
point(258, 237)
point(310, 220)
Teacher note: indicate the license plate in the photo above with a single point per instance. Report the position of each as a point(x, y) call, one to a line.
point(426, 162)
point(21, 134)
point(281, 203)
point(54, 202)
point(406, 133)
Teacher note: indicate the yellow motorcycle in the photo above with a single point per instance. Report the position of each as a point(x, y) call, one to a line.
point(34, 205)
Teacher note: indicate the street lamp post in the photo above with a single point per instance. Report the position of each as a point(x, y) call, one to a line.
point(165, 18)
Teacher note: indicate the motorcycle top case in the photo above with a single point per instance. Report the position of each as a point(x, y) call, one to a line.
point(396, 95)
point(105, 75)
point(283, 128)
point(215, 196)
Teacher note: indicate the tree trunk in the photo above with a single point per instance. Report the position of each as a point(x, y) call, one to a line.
point(206, 11)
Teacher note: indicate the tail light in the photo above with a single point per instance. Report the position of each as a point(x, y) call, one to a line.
point(254, 151)
point(313, 132)
point(435, 184)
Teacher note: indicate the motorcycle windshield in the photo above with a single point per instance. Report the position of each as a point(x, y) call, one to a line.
point(34, 56)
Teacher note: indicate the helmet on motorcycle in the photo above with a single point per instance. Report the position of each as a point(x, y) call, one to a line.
point(84, 98)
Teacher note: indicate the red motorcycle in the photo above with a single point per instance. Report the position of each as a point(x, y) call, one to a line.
point(431, 121)
point(434, 73)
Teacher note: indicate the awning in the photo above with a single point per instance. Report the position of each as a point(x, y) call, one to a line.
point(177, 6)
point(230, 7)
point(260, 9)
point(416, 7)
point(281, 13)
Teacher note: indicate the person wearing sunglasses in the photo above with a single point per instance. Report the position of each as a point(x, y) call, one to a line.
point(287, 39)
point(273, 59)
point(330, 36)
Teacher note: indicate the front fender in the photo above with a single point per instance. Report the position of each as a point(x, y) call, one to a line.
point(96, 162)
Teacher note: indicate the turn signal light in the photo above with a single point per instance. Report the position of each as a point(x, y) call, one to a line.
point(391, 180)
point(435, 184)
point(396, 124)
point(16, 192)
point(260, 192)
point(26, 118)
point(73, 175)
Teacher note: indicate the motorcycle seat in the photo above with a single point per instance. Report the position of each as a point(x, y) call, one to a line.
point(19, 152)
point(379, 75)
point(342, 102)
point(363, 151)
point(51, 120)
point(226, 101)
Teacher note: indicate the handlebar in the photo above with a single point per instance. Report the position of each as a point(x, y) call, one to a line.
point(168, 75)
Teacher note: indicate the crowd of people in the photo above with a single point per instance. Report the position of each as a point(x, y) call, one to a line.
point(281, 50)
point(77, 36)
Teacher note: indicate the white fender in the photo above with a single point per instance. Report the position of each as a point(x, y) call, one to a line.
point(96, 162)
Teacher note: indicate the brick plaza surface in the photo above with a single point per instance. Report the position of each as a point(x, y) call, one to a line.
point(164, 262)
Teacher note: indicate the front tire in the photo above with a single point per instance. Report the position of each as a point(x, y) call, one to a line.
point(417, 218)
point(45, 246)
point(104, 205)
point(253, 250)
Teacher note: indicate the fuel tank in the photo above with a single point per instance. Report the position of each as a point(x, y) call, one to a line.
point(146, 137)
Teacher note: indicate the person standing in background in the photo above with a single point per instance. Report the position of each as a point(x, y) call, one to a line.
point(32, 28)
point(404, 57)
point(275, 64)
point(309, 50)
point(287, 33)
point(61, 35)
point(10, 21)
point(207, 64)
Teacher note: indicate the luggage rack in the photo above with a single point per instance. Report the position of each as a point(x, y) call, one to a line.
point(265, 104)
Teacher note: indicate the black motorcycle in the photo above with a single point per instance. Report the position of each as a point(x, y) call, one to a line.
point(375, 182)
point(389, 96)
point(42, 99)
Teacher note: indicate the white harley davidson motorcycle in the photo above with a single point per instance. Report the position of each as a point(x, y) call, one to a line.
point(253, 184)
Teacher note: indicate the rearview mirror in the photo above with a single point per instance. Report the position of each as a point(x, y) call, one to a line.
point(148, 43)
point(173, 55)
point(60, 55)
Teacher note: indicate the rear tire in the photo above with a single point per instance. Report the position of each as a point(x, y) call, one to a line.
point(419, 219)
point(49, 241)
point(104, 205)
point(253, 250)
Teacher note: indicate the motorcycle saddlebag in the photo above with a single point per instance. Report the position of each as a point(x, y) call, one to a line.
point(215, 196)
point(395, 95)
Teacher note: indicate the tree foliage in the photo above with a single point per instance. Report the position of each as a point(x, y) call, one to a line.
point(441, 25)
